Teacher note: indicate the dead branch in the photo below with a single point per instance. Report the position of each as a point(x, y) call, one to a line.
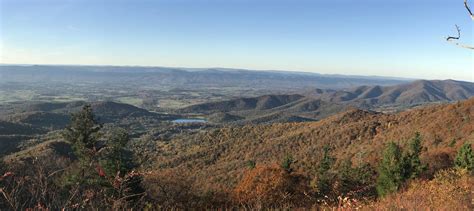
point(468, 9)
point(452, 38)
point(455, 38)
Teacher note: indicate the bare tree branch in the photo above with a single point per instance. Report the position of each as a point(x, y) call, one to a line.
point(468, 9)
point(455, 38)
point(452, 38)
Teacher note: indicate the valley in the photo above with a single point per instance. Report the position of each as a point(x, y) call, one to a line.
point(162, 109)
point(217, 133)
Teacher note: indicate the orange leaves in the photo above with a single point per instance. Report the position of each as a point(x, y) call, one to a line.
point(271, 185)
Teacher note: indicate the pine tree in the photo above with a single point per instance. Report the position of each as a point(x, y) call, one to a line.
point(99, 164)
point(326, 161)
point(412, 163)
point(391, 170)
point(83, 132)
point(323, 182)
point(117, 158)
point(465, 157)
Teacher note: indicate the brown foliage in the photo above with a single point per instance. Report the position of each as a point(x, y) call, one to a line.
point(451, 189)
point(438, 159)
point(169, 188)
point(272, 186)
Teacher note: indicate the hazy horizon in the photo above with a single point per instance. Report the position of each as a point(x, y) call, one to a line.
point(245, 69)
point(367, 38)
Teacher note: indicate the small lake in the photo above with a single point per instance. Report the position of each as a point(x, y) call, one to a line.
point(189, 121)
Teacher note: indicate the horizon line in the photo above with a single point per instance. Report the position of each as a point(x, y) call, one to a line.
point(223, 68)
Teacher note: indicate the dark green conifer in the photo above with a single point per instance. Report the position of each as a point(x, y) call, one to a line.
point(390, 171)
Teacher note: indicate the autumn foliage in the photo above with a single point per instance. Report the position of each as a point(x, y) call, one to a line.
point(231, 167)
point(272, 186)
point(451, 189)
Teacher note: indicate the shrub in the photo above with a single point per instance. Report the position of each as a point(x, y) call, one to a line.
point(268, 186)
point(32, 184)
point(439, 159)
point(170, 189)
point(355, 182)
point(465, 157)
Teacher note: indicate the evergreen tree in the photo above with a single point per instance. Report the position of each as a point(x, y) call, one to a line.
point(324, 178)
point(326, 161)
point(98, 163)
point(412, 163)
point(465, 157)
point(83, 132)
point(117, 158)
point(391, 170)
point(117, 161)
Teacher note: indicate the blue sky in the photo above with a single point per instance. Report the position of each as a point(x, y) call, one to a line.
point(402, 38)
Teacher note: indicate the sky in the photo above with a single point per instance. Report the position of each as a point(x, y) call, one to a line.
point(401, 38)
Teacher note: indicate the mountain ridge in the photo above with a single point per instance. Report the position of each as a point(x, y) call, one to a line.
point(421, 91)
point(320, 103)
point(184, 77)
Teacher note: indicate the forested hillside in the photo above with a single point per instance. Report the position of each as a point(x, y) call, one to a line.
point(219, 157)
point(356, 159)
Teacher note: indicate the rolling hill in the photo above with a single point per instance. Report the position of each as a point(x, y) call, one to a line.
point(12, 134)
point(20, 122)
point(320, 103)
point(57, 114)
point(266, 109)
point(242, 104)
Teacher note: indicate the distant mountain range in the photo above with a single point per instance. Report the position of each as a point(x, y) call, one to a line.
point(185, 77)
point(320, 103)
point(418, 92)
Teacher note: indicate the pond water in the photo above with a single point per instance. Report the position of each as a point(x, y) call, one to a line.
point(189, 121)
